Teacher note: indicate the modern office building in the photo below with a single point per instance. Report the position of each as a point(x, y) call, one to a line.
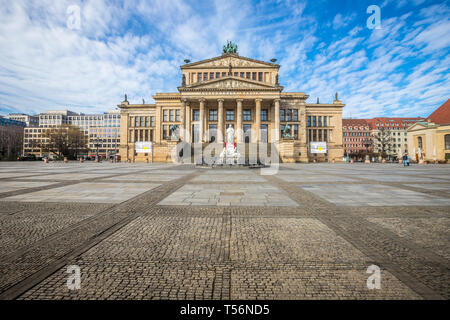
point(30, 121)
point(103, 131)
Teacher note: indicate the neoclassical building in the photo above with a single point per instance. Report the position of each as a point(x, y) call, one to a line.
point(231, 90)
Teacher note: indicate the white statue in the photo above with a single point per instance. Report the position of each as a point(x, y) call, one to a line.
point(230, 134)
point(229, 155)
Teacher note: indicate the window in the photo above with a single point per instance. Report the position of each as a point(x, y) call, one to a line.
point(242, 74)
point(247, 115)
point(146, 121)
point(288, 115)
point(136, 124)
point(447, 141)
point(195, 115)
point(230, 115)
point(314, 123)
point(260, 76)
point(254, 76)
point(171, 114)
point(213, 115)
point(264, 115)
point(224, 74)
point(166, 115)
point(308, 121)
point(177, 115)
point(211, 75)
point(205, 76)
point(282, 115)
point(419, 142)
point(217, 75)
point(152, 121)
point(319, 121)
point(248, 75)
point(165, 130)
point(325, 121)
point(199, 77)
point(295, 115)
point(236, 74)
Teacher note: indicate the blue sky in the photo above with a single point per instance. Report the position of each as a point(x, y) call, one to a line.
point(136, 48)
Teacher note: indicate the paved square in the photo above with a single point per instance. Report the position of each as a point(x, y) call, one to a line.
point(91, 192)
point(374, 195)
point(229, 195)
point(165, 231)
point(6, 186)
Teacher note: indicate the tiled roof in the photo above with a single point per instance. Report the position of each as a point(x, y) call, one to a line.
point(354, 122)
point(442, 114)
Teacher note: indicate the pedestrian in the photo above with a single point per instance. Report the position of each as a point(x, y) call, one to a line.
point(405, 160)
point(408, 159)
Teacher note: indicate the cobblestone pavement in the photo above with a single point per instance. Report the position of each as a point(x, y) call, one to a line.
point(162, 231)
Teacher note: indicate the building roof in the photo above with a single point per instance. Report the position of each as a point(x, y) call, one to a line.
point(226, 55)
point(401, 123)
point(441, 115)
point(354, 122)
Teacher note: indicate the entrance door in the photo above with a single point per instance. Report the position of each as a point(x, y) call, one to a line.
point(263, 133)
point(247, 133)
point(196, 133)
point(212, 133)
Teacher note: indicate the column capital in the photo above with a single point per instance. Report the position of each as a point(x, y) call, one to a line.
point(202, 100)
point(276, 100)
point(239, 100)
point(220, 100)
point(258, 99)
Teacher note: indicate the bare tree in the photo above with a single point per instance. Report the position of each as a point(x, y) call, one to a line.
point(64, 141)
point(383, 141)
point(11, 140)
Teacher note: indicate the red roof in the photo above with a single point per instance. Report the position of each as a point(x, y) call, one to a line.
point(442, 114)
point(393, 122)
point(354, 122)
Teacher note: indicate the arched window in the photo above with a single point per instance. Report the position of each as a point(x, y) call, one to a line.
point(419, 142)
point(447, 141)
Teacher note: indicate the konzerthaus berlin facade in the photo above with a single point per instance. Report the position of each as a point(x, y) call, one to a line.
point(231, 90)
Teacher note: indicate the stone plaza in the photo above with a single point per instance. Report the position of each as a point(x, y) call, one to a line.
point(167, 231)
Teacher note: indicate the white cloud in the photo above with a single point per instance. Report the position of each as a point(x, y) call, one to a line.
point(137, 47)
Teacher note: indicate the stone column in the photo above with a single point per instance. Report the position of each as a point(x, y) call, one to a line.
point(188, 137)
point(182, 119)
point(220, 128)
point(257, 120)
point(202, 119)
point(240, 135)
point(277, 121)
point(158, 125)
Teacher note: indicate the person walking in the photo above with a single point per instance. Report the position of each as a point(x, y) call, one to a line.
point(405, 160)
point(408, 159)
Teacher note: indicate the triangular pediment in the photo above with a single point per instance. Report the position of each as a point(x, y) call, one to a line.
point(418, 126)
point(231, 82)
point(226, 60)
